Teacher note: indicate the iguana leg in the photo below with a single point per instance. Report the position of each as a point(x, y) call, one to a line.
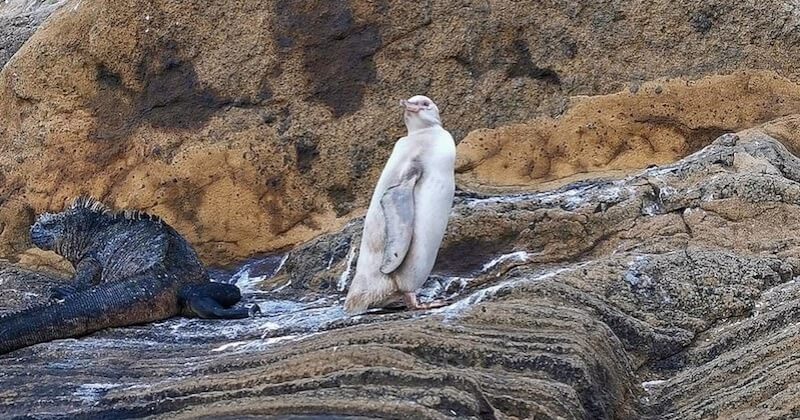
point(87, 274)
point(206, 307)
point(61, 292)
point(214, 300)
point(226, 295)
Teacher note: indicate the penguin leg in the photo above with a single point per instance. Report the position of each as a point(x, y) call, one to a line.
point(410, 299)
point(214, 301)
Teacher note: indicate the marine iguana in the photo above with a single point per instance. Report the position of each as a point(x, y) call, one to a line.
point(130, 268)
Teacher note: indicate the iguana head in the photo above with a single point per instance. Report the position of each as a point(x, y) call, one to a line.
point(48, 230)
point(68, 232)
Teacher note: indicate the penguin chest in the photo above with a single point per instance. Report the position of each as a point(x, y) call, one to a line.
point(433, 199)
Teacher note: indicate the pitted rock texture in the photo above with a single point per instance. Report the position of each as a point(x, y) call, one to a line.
point(656, 123)
point(669, 293)
point(255, 126)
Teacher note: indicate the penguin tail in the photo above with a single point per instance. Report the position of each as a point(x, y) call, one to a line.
point(358, 301)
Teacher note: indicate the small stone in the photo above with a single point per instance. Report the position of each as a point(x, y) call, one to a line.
point(728, 139)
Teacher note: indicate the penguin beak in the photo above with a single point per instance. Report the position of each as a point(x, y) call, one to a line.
point(409, 106)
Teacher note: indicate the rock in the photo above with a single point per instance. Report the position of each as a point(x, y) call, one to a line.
point(16, 217)
point(19, 19)
point(613, 134)
point(615, 251)
point(256, 126)
point(20, 287)
point(666, 293)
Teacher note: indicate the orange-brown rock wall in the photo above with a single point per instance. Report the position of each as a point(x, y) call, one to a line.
point(253, 126)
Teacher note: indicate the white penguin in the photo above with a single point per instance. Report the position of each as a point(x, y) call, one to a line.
point(408, 214)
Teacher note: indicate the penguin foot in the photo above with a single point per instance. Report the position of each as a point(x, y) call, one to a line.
point(410, 299)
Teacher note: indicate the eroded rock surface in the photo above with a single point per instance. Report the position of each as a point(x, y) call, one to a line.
point(669, 293)
point(656, 123)
point(253, 126)
point(256, 126)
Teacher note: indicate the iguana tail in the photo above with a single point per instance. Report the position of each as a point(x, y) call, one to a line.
point(104, 306)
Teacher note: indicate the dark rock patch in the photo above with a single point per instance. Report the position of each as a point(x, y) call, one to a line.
point(337, 52)
point(171, 98)
point(524, 67)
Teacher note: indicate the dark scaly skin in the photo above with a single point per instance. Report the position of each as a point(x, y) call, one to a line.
point(130, 268)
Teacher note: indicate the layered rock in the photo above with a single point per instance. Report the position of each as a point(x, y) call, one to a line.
point(667, 294)
point(257, 126)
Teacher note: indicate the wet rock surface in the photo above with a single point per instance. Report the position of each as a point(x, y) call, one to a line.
point(669, 293)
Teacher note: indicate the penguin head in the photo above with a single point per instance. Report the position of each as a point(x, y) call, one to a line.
point(420, 113)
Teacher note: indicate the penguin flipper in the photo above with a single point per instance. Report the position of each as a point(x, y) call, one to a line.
point(398, 212)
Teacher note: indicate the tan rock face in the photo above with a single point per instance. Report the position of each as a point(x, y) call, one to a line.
point(253, 126)
point(656, 123)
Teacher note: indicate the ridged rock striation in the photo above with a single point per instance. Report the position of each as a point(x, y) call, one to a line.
point(668, 293)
